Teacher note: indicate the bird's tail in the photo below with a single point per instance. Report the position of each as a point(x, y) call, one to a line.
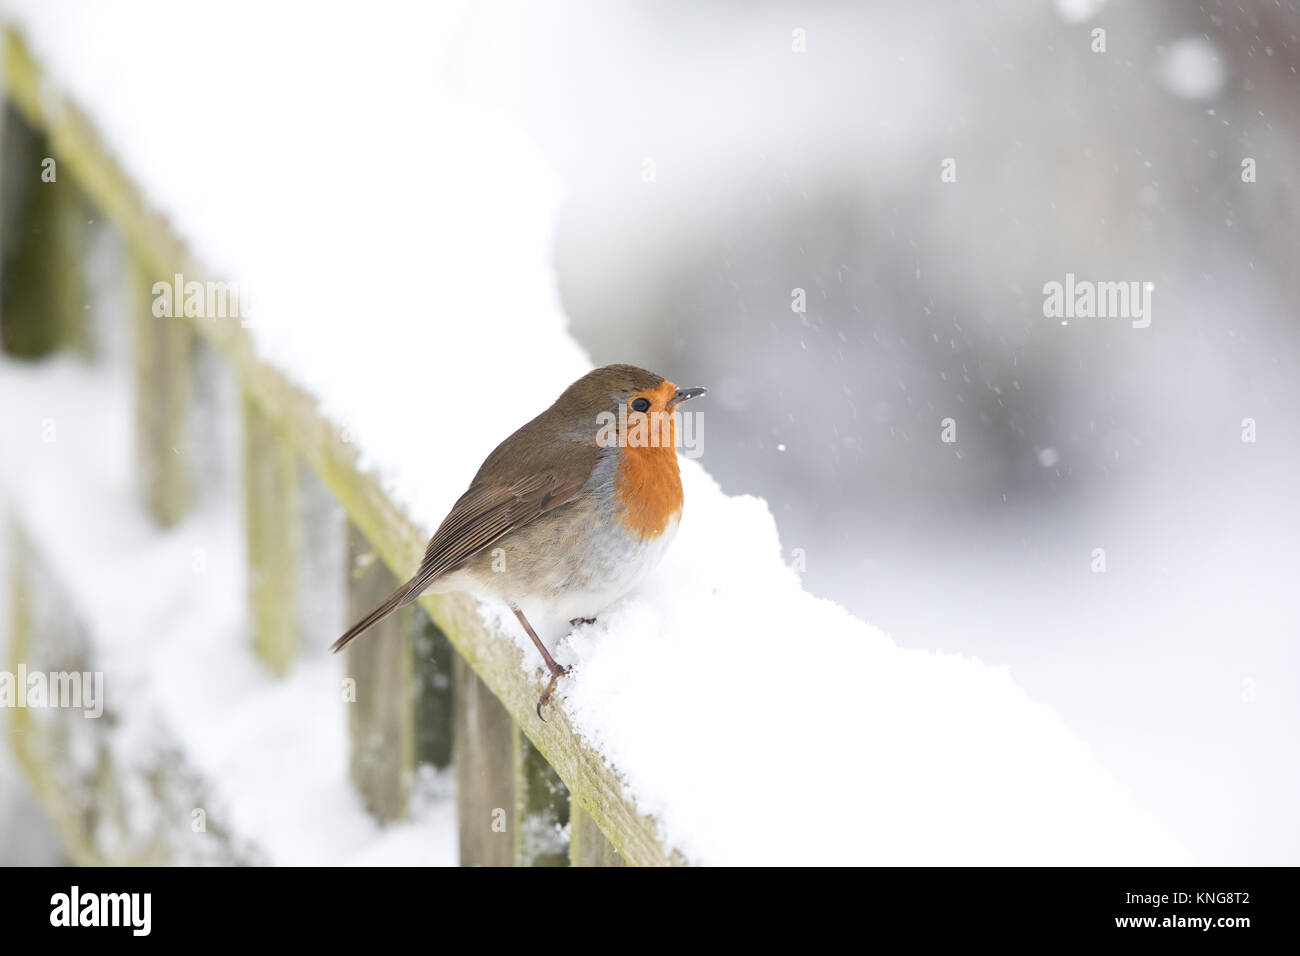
point(391, 603)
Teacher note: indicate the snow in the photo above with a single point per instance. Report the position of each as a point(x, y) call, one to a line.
point(742, 701)
point(397, 243)
point(398, 229)
point(1192, 69)
point(171, 638)
point(1077, 11)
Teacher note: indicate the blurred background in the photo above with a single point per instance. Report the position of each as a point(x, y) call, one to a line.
point(841, 217)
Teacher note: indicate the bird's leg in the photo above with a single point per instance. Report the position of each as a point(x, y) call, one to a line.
point(556, 670)
point(581, 620)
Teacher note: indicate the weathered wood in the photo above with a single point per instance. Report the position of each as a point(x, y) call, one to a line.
point(513, 808)
point(485, 773)
point(587, 845)
point(400, 693)
point(42, 290)
point(271, 510)
point(398, 540)
point(381, 715)
point(163, 352)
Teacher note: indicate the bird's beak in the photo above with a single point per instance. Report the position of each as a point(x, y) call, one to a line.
point(685, 395)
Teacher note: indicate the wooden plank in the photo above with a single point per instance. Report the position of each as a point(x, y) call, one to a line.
point(401, 676)
point(42, 289)
point(513, 809)
point(270, 509)
point(587, 845)
point(485, 773)
point(381, 716)
point(162, 358)
point(398, 540)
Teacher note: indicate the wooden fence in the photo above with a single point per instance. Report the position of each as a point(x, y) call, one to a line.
point(433, 684)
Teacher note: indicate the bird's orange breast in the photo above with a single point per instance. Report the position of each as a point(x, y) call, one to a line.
point(648, 484)
point(650, 490)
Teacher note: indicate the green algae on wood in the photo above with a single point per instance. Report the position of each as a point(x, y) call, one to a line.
point(42, 289)
point(587, 845)
point(270, 510)
point(162, 359)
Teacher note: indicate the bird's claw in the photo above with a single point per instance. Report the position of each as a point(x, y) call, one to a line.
point(550, 689)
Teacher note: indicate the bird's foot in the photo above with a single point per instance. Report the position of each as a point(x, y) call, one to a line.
point(581, 620)
point(542, 701)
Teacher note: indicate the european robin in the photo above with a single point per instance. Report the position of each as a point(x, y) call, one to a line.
point(566, 514)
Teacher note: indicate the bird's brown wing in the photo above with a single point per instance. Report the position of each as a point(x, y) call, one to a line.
point(535, 470)
point(483, 515)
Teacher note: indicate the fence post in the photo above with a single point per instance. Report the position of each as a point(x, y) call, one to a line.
point(42, 291)
point(485, 772)
point(381, 719)
point(270, 504)
point(400, 692)
point(512, 806)
point(163, 349)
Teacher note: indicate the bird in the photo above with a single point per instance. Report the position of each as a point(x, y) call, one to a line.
point(568, 514)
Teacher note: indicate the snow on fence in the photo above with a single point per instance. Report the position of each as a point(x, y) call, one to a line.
point(403, 697)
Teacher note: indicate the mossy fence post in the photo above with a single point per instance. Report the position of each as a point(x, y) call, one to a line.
point(42, 225)
point(163, 355)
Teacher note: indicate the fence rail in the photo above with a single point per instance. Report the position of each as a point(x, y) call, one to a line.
point(434, 684)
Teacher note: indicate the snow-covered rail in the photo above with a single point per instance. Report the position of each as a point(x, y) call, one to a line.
point(518, 779)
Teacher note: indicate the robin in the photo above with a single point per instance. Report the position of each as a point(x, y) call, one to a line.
point(568, 513)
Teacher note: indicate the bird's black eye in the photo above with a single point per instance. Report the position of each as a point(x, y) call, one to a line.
point(641, 405)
